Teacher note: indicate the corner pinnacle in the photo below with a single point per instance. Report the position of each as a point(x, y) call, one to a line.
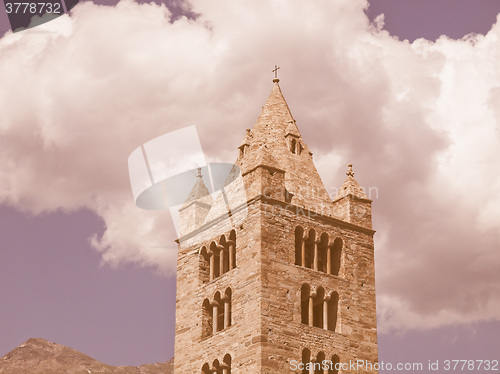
point(349, 173)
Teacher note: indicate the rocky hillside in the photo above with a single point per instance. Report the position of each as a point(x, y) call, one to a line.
point(38, 356)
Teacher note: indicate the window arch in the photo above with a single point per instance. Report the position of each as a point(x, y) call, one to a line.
point(293, 146)
point(304, 303)
point(219, 258)
point(318, 369)
point(333, 306)
point(218, 312)
point(204, 264)
point(206, 369)
point(316, 251)
point(314, 363)
point(214, 261)
point(310, 244)
point(207, 322)
point(319, 308)
point(226, 364)
point(334, 361)
point(336, 255)
point(232, 249)
point(223, 255)
point(322, 252)
point(306, 358)
point(218, 367)
point(299, 245)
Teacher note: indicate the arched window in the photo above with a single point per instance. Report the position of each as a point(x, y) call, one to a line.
point(314, 251)
point(204, 265)
point(323, 253)
point(318, 307)
point(216, 367)
point(318, 368)
point(306, 358)
point(223, 255)
point(336, 255)
point(218, 312)
point(299, 246)
point(232, 249)
point(207, 324)
point(205, 369)
point(219, 258)
point(304, 303)
point(333, 305)
point(310, 249)
point(333, 368)
point(293, 146)
point(226, 365)
point(215, 263)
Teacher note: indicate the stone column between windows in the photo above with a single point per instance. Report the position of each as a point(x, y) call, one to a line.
point(312, 295)
point(325, 370)
point(316, 259)
point(311, 367)
point(232, 251)
point(215, 315)
point(227, 320)
point(212, 263)
point(325, 311)
point(225, 368)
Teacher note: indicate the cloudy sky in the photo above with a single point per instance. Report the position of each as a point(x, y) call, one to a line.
point(419, 118)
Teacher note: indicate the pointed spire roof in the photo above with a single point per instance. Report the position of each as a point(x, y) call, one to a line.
point(350, 187)
point(287, 153)
point(199, 193)
point(275, 118)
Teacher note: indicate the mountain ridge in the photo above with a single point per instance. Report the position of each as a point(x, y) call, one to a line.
point(39, 356)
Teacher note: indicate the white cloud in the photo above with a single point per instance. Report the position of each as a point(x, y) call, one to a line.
point(419, 121)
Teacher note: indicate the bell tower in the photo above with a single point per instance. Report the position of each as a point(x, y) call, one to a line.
point(282, 281)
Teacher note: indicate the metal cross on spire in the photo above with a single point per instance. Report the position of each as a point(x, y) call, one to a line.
point(275, 71)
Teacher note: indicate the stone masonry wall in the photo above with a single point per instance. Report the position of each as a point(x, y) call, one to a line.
point(242, 339)
point(285, 335)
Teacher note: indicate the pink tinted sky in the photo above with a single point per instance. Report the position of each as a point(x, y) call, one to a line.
point(108, 299)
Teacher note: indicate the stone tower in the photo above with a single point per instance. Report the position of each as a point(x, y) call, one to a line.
point(285, 276)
